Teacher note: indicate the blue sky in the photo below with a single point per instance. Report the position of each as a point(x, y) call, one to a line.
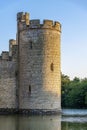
point(72, 14)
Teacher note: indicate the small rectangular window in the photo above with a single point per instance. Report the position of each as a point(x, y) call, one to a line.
point(52, 66)
point(31, 45)
point(29, 88)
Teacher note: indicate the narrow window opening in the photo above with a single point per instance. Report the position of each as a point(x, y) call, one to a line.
point(16, 73)
point(31, 45)
point(52, 67)
point(27, 25)
point(29, 88)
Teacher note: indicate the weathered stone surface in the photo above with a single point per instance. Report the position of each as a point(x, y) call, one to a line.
point(39, 66)
point(30, 74)
point(8, 85)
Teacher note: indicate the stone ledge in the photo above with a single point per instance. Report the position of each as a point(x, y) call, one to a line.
point(8, 111)
point(39, 112)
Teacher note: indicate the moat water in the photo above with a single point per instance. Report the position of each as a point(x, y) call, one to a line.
point(69, 120)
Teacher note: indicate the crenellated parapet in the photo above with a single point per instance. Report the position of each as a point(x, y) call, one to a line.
point(51, 25)
point(12, 53)
point(12, 43)
point(23, 17)
point(24, 23)
point(5, 55)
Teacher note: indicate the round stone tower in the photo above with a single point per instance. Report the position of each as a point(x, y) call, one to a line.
point(39, 64)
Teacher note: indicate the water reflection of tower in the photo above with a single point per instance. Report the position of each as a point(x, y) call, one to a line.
point(9, 123)
point(40, 123)
point(30, 122)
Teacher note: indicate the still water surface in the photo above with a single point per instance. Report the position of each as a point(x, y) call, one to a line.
point(66, 121)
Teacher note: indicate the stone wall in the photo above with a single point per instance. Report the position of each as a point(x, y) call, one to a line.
point(8, 97)
point(39, 65)
point(12, 42)
point(30, 73)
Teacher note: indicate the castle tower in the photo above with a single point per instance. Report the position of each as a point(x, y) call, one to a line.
point(39, 64)
point(11, 43)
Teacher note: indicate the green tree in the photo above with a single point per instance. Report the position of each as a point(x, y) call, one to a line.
point(86, 98)
point(65, 81)
point(74, 92)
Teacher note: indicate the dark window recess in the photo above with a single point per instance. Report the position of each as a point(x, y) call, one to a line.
point(30, 44)
point(16, 73)
point(29, 88)
point(52, 67)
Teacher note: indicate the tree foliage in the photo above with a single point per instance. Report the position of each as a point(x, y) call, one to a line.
point(74, 92)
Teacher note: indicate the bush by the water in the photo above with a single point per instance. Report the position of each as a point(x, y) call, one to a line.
point(74, 92)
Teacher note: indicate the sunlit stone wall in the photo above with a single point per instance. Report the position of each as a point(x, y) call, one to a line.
point(39, 64)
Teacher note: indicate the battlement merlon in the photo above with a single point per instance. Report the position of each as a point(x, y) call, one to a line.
point(12, 53)
point(23, 17)
point(51, 25)
point(12, 42)
point(5, 55)
point(25, 23)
